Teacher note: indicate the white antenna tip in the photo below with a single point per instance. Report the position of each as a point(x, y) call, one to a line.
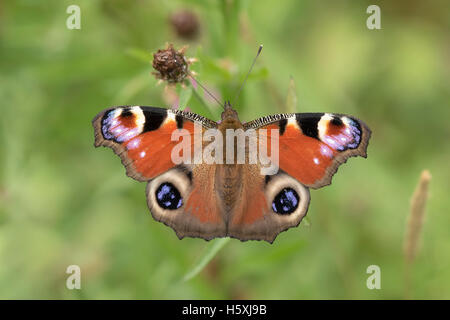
point(260, 48)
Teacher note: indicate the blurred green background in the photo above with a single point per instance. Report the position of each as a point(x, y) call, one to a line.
point(63, 202)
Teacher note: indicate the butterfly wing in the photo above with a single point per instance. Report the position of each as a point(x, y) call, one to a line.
point(178, 195)
point(313, 145)
point(311, 148)
point(141, 136)
point(268, 206)
point(185, 199)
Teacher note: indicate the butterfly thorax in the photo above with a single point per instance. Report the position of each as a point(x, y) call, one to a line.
point(230, 120)
point(229, 176)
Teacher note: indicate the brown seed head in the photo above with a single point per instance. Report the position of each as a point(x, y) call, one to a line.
point(185, 24)
point(171, 65)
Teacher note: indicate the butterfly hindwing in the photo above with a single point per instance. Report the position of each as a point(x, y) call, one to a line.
point(184, 198)
point(268, 205)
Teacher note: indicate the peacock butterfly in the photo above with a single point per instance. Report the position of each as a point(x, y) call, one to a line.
point(221, 199)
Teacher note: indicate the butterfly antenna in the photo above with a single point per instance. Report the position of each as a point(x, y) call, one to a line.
point(206, 90)
point(248, 73)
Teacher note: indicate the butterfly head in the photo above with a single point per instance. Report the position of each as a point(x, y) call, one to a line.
point(229, 114)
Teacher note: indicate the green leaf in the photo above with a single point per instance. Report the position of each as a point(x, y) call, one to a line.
point(185, 96)
point(213, 248)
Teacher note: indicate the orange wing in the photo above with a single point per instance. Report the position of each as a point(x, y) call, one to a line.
point(178, 195)
point(313, 145)
point(141, 136)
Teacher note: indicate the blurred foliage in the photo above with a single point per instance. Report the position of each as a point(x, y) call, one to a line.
point(64, 202)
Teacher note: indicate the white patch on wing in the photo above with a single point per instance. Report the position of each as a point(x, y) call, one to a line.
point(117, 112)
point(114, 115)
point(322, 125)
point(292, 121)
point(140, 118)
point(326, 151)
point(347, 122)
point(170, 116)
point(133, 144)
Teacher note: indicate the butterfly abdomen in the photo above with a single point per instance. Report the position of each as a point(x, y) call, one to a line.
point(228, 182)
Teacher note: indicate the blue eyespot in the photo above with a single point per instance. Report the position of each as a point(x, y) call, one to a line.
point(168, 197)
point(286, 201)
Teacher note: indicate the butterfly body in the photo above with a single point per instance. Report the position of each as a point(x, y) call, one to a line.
point(229, 197)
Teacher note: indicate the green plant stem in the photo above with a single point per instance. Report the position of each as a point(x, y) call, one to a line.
point(211, 252)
